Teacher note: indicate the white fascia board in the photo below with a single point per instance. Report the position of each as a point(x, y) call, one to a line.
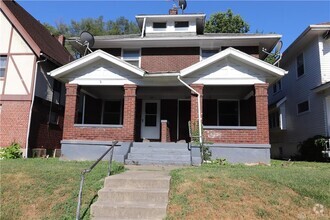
point(90, 58)
point(171, 16)
point(238, 55)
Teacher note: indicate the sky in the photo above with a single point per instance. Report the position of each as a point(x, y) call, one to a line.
point(288, 18)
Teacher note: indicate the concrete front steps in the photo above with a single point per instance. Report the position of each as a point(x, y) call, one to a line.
point(155, 153)
point(133, 195)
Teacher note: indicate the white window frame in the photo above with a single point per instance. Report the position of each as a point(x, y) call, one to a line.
point(139, 59)
point(239, 112)
point(309, 107)
point(201, 52)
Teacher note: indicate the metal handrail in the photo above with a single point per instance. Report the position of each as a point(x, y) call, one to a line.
point(89, 170)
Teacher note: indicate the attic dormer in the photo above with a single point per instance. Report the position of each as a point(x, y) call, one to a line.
point(171, 25)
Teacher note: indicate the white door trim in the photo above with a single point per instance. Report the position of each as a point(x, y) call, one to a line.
point(150, 132)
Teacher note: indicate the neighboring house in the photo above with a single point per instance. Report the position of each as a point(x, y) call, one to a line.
point(138, 87)
point(300, 101)
point(31, 103)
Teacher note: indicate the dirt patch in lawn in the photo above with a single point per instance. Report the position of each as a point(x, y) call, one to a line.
point(226, 198)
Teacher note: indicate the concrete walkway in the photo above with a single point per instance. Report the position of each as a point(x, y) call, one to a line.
point(139, 193)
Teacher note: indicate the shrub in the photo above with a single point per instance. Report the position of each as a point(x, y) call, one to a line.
point(311, 149)
point(11, 152)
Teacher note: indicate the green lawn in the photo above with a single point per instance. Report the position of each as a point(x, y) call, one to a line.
point(47, 188)
point(281, 191)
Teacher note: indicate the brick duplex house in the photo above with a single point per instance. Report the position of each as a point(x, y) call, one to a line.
point(149, 86)
point(31, 103)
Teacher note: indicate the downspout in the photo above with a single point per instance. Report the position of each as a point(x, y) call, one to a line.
point(198, 110)
point(32, 102)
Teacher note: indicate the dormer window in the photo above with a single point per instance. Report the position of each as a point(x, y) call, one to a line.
point(159, 25)
point(181, 24)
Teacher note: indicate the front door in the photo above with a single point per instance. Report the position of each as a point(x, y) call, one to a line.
point(150, 120)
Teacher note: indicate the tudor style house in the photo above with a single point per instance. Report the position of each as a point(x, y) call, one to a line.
point(147, 87)
point(31, 103)
point(300, 101)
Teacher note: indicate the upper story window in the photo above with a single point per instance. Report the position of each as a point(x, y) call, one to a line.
point(159, 25)
point(300, 65)
point(205, 53)
point(303, 107)
point(3, 65)
point(277, 86)
point(132, 56)
point(181, 24)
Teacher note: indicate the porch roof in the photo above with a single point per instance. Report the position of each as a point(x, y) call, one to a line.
point(239, 56)
point(92, 58)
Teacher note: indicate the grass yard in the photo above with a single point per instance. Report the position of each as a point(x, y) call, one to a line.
point(47, 188)
point(281, 191)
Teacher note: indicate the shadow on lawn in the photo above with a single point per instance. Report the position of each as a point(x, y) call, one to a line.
point(86, 211)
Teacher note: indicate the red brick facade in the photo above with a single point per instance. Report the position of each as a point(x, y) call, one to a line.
point(14, 120)
point(168, 59)
point(123, 133)
point(260, 135)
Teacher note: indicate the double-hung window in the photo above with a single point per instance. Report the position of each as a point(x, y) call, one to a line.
point(206, 53)
point(303, 107)
point(132, 56)
point(3, 65)
point(300, 65)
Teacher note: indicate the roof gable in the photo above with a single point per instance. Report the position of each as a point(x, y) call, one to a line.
point(35, 34)
point(231, 55)
point(98, 61)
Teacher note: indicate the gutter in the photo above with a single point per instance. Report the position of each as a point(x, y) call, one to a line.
point(32, 103)
point(199, 110)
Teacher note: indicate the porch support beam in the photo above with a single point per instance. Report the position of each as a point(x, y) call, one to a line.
point(194, 109)
point(129, 111)
point(71, 109)
point(261, 97)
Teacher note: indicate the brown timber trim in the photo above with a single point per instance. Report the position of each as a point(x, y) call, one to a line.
point(13, 20)
point(20, 75)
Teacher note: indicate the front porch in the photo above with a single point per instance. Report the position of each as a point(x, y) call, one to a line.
point(109, 99)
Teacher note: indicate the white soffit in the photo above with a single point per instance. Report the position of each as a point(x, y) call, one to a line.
point(91, 58)
point(237, 55)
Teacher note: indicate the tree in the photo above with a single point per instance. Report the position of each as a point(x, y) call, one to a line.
point(226, 22)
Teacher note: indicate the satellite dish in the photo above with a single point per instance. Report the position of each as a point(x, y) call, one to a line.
point(278, 47)
point(87, 38)
point(182, 4)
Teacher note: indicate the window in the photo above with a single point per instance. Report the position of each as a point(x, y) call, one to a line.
point(3, 65)
point(132, 57)
point(274, 119)
point(181, 24)
point(112, 112)
point(228, 113)
point(53, 118)
point(300, 65)
point(277, 86)
point(207, 53)
point(159, 25)
point(303, 107)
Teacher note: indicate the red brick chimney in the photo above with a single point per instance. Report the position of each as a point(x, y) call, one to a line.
point(61, 39)
point(173, 11)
